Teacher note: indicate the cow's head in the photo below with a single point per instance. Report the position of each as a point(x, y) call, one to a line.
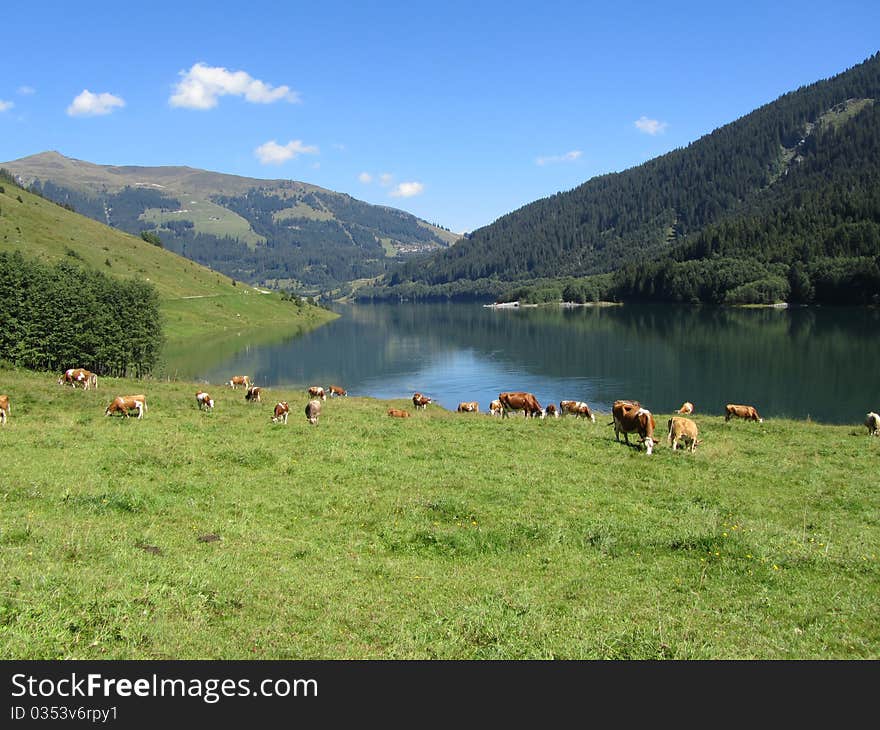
point(649, 442)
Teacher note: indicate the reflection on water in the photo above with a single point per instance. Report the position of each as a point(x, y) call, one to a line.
point(820, 363)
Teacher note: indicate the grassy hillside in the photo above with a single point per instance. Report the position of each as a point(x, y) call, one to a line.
point(195, 300)
point(271, 232)
point(222, 535)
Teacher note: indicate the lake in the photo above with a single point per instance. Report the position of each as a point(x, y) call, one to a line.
point(820, 363)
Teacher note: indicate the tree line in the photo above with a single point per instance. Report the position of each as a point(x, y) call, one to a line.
point(54, 317)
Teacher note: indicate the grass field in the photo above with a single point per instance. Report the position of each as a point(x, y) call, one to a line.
point(221, 535)
point(195, 301)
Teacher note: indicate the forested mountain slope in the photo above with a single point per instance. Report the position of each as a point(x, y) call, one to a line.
point(270, 232)
point(794, 181)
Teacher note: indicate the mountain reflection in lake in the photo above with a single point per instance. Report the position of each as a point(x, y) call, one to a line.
point(801, 362)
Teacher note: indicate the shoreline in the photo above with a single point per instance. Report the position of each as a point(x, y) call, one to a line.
point(566, 305)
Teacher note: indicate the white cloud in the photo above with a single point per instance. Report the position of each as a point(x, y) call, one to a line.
point(650, 126)
point(567, 157)
point(272, 153)
point(26, 90)
point(88, 104)
point(366, 178)
point(407, 190)
point(5, 105)
point(385, 179)
point(200, 87)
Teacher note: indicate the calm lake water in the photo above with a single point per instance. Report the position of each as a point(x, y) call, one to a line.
point(816, 362)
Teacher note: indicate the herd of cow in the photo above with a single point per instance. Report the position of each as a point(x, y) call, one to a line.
point(124, 405)
point(628, 416)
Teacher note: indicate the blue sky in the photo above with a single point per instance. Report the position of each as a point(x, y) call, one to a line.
point(458, 112)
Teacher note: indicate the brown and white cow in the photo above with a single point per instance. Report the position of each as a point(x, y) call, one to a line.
point(282, 409)
point(237, 380)
point(577, 408)
point(125, 403)
point(4, 409)
point(872, 423)
point(205, 401)
point(550, 410)
point(316, 391)
point(629, 417)
point(468, 407)
point(337, 390)
point(80, 376)
point(421, 401)
point(398, 413)
point(519, 400)
point(687, 408)
point(495, 408)
point(253, 394)
point(684, 431)
point(747, 412)
point(313, 410)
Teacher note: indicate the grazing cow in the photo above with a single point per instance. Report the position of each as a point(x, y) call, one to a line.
point(237, 380)
point(125, 403)
point(682, 430)
point(281, 411)
point(872, 423)
point(397, 413)
point(550, 410)
point(469, 407)
point(205, 401)
point(313, 410)
point(316, 391)
point(253, 394)
point(495, 408)
point(520, 401)
point(629, 417)
point(577, 408)
point(687, 408)
point(747, 412)
point(67, 377)
point(79, 375)
point(421, 401)
point(4, 409)
point(336, 390)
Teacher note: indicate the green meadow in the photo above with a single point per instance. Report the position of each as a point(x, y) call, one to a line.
point(220, 535)
point(198, 305)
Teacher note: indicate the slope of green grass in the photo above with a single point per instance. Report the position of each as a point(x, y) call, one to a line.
point(439, 536)
point(207, 217)
point(195, 300)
